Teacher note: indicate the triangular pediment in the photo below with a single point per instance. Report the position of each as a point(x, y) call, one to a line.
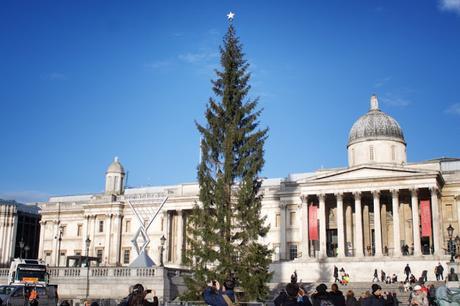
point(364, 172)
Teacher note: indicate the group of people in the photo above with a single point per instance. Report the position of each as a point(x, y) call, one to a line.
point(384, 278)
point(295, 295)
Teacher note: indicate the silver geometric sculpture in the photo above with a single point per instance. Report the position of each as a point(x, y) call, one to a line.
point(144, 212)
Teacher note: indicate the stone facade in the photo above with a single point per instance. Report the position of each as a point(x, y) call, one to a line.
point(367, 212)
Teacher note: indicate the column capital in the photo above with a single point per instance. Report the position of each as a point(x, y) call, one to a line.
point(321, 196)
point(339, 195)
point(283, 204)
point(375, 193)
point(304, 198)
point(394, 192)
point(413, 191)
point(357, 194)
point(434, 190)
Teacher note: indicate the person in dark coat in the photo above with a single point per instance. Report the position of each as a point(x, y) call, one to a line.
point(350, 299)
point(376, 276)
point(336, 296)
point(293, 296)
point(376, 298)
point(321, 296)
point(336, 274)
point(407, 271)
point(440, 271)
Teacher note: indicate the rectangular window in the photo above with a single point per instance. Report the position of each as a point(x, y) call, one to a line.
point(371, 152)
point(277, 220)
point(99, 253)
point(127, 226)
point(393, 153)
point(292, 218)
point(79, 229)
point(292, 251)
point(101, 226)
point(126, 256)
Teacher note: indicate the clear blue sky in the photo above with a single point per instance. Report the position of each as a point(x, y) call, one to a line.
point(84, 81)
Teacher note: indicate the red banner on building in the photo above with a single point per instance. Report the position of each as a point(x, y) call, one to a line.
point(425, 215)
point(313, 222)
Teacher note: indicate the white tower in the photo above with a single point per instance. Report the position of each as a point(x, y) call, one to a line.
point(114, 178)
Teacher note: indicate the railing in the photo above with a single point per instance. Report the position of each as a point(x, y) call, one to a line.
point(4, 272)
point(98, 272)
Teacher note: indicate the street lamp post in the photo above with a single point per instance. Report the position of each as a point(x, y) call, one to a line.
point(59, 245)
point(451, 248)
point(87, 244)
point(21, 247)
point(162, 241)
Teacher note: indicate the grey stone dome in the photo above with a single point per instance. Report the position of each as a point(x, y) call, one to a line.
point(115, 167)
point(375, 125)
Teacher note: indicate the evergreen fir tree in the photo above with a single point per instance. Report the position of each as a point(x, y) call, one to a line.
point(224, 229)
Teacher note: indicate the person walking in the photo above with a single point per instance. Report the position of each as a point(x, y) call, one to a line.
point(382, 275)
point(440, 271)
point(336, 274)
point(376, 276)
point(407, 271)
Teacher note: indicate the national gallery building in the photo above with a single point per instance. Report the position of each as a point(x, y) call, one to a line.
point(379, 212)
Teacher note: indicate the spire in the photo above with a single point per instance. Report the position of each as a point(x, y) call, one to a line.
point(115, 159)
point(374, 102)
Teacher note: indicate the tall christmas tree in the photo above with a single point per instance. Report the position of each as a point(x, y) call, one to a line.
point(225, 227)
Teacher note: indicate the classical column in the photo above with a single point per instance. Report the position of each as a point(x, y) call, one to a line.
point(93, 233)
point(377, 224)
point(305, 246)
point(283, 206)
point(107, 239)
point(322, 225)
point(180, 236)
point(396, 233)
point(118, 235)
point(42, 239)
point(415, 223)
point(340, 226)
point(359, 226)
point(167, 230)
point(435, 212)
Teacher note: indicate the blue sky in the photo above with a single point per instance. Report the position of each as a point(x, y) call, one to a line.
point(84, 81)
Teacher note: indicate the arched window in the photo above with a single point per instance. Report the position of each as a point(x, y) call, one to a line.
point(371, 152)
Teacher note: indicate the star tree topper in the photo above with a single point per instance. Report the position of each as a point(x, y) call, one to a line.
point(230, 16)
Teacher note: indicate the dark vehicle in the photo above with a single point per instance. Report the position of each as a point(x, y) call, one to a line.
point(17, 295)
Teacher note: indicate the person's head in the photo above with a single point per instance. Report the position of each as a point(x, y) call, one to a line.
point(94, 303)
point(65, 303)
point(334, 287)
point(350, 293)
point(292, 289)
point(376, 290)
point(417, 289)
point(229, 284)
point(138, 288)
point(321, 288)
